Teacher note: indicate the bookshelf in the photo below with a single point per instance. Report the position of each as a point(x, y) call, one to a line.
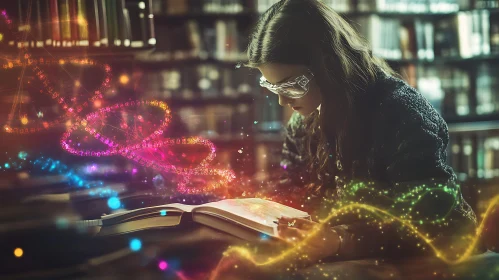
point(77, 27)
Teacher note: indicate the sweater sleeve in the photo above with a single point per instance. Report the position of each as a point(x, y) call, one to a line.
point(418, 187)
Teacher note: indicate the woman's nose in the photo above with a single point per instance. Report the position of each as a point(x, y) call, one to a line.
point(283, 101)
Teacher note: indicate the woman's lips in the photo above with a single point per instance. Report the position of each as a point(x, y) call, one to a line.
point(296, 108)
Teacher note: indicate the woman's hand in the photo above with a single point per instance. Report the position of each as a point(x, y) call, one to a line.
point(317, 241)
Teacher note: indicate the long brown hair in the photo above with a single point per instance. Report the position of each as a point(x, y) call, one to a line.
point(307, 32)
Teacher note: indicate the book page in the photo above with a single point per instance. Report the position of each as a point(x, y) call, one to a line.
point(255, 209)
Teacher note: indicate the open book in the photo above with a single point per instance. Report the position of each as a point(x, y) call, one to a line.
point(245, 218)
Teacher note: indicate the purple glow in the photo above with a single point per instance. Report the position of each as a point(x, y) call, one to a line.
point(163, 265)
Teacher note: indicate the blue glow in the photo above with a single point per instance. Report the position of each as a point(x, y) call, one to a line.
point(6, 165)
point(162, 212)
point(22, 155)
point(114, 203)
point(264, 237)
point(135, 244)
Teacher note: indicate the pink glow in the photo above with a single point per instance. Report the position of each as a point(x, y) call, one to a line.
point(163, 265)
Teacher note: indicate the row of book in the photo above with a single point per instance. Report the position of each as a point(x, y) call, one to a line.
point(79, 23)
point(397, 6)
point(475, 155)
point(449, 88)
point(222, 40)
point(465, 35)
point(182, 7)
point(203, 81)
point(217, 121)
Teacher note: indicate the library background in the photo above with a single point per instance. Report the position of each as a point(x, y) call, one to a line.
point(184, 52)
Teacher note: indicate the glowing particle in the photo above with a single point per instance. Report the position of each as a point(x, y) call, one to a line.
point(1, 37)
point(142, 5)
point(39, 114)
point(135, 244)
point(97, 103)
point(77, 84)
point(114, 203)
point(18, 252)
point(163, 265)
point(255, 122)
point(162, 212)
point(124, 79)
point(24, 120)
point(22, 155)
point(6, 165)
point(240, 151)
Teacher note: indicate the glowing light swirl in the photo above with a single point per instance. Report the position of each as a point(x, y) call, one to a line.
point(130, 151)
point(390, 218)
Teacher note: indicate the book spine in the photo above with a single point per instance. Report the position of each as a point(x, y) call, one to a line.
point(151, 38)
point(103, 23)
point(112, 23)
point(56, 28)
point(93, 23)
point(83, 24)
point(73, 15)
point(46, 22)
point(64, 18)
point(39, 25)
point(137, 24)
point(120, 19)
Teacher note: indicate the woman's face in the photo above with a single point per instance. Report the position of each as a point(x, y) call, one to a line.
point(276, 73)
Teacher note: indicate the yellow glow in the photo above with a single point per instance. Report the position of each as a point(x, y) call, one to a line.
point(18, 252)
point(61, 61)
point(82, 21)
point(24, 120)
point(1, 37)
point(124, 79)
point(77, 84)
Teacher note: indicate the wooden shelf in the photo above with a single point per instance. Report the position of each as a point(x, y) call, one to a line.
point(60, 52)
point(445, 60)
point(473, 126)
point(471, 119)
point(243, 99)
point(165, 64)
point(165, 18)
point(411, 15)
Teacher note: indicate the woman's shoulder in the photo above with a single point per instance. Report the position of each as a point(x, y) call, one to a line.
point(397, 100)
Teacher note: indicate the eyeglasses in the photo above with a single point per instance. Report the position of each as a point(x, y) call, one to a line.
point(297, 88)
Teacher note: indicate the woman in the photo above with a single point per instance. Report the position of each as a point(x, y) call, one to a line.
point(354, 121)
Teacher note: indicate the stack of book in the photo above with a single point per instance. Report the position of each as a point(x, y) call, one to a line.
point(80, 23)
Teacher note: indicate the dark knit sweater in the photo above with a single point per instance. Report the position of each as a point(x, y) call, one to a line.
point(405, 149)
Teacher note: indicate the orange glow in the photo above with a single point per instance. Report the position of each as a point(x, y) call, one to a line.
point(77, 84)
point(97, 103)
point(18, 252)
point(124, 79)
point(24, 120)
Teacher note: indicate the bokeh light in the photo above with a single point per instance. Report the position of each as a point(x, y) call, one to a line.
point(114, 203)
point(18, 252)
point(124, 79)
point(163, 265)
point(135, 244)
